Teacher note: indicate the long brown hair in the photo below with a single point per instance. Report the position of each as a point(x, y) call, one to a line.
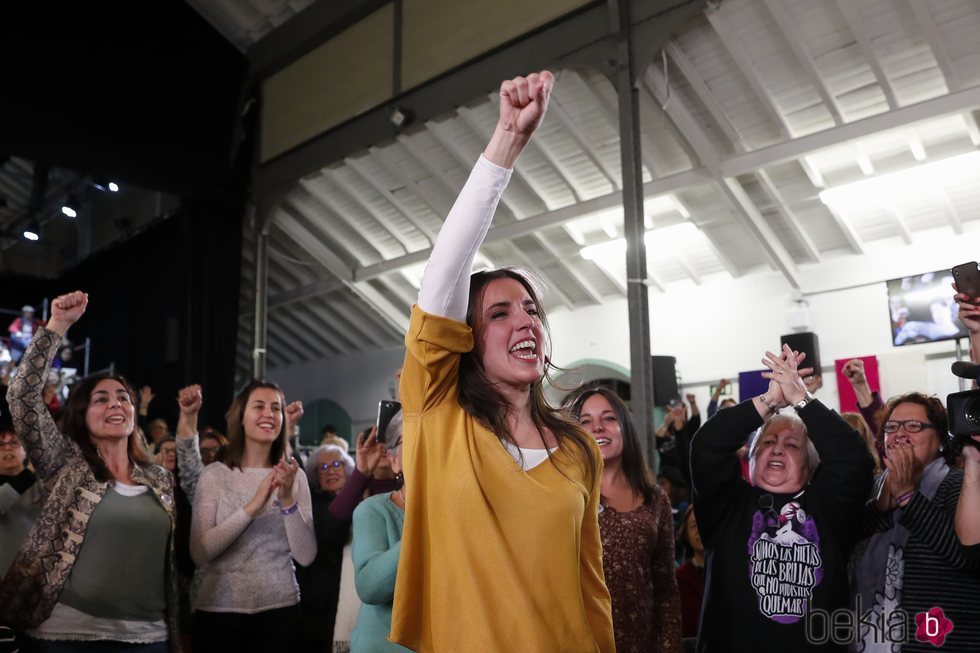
point(235, 451)
point(637, 473)
point(76, 427)
point(479, 397)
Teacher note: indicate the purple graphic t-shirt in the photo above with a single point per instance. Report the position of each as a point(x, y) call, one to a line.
point(784, 562)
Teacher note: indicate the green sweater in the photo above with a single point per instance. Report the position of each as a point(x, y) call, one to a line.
point(375, 548)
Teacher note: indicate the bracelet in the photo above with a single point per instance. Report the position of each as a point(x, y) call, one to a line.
point(904, 497)
point(291, 509)
point(772, 407)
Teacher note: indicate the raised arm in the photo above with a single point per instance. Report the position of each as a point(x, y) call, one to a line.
point(445, 283)
point(46, 447)
point(189, 461)
point(968, 507)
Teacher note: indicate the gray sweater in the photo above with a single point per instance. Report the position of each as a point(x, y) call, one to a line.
point(247, 564)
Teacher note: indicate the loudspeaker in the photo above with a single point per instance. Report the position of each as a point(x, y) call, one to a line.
point(806, 342)
point(664, 379)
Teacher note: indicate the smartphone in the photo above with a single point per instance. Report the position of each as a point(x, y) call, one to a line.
point(967, 278)
point(674, 403)
point(386, 411)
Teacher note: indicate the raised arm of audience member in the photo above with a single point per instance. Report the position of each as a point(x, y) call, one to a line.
point(968, 508)
point(970, 317)
point(143, 413)
point(189, 461)
point(713, 402)
point(368, 453)
point(869, 402)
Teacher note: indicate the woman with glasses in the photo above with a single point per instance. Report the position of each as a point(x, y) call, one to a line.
point(96, 572)
point(912, 561)
point(776, 549)
point(328, 467)
point(378, 522)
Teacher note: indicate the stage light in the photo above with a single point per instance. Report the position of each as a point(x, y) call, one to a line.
point(70, 207)
point(105, 185)
point(32, 231)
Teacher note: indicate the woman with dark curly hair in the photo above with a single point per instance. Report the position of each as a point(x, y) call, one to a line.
point(108, 509)
point(912, 562)
point(637, 530)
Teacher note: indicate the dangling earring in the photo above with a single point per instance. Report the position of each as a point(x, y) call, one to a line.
point(400, 478)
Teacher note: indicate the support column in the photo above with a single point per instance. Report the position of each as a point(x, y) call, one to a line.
point(259, 339)
point(641, 367)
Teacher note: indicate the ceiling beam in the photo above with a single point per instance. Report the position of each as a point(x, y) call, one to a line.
point(396, 316)
point(795, 40)
point(935, 42)
point(851, 12)
point(740, 164)
point(729, 187)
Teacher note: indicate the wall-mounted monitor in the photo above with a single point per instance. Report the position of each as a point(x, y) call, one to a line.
point(921, 309)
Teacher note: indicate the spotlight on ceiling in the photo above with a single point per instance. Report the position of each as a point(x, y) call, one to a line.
point(32, 231)
point(70, 207)
point(105, 185)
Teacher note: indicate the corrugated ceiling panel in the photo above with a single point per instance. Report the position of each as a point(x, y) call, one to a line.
point(958, 23)
point(707, 53)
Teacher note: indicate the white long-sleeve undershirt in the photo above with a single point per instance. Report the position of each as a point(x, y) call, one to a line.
point(445, 283)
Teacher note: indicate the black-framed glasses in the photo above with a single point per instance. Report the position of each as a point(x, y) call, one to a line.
point(911, 425)
point(335, 464)
point(9, 444)
point(211, 450)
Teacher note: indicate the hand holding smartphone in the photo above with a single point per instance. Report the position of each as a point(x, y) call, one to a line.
point(386, 411)
point(967, 278)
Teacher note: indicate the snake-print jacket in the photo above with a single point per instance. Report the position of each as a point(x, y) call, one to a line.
point(38, 574)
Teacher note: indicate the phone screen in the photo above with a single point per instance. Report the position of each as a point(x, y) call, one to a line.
point(386, 411)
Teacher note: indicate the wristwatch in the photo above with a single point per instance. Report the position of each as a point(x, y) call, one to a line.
point(807, 398)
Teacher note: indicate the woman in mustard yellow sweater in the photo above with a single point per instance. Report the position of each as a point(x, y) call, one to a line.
point(501, 548)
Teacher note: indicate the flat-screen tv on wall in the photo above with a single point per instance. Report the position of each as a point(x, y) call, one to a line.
point(922, 309)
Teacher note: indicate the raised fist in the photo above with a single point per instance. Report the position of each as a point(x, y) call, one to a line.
point(523, 102)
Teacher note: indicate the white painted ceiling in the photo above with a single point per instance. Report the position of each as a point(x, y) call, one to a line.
point(764, 103)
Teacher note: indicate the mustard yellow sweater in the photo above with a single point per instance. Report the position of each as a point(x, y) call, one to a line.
point(493, 559)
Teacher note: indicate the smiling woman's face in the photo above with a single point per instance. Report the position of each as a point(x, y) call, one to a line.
point(12, 454)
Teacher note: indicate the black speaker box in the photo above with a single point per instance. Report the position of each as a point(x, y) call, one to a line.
point(806, 342)
point(664, 379)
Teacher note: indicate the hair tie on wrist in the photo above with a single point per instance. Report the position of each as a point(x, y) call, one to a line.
point(907, 495)
point(291, 509)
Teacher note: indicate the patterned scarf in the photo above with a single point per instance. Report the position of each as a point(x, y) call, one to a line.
point(878, 585)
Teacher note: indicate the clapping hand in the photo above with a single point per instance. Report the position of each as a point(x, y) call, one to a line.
point(785, 376)
point(66, 310)
point(285, 473)
point(904, 470)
